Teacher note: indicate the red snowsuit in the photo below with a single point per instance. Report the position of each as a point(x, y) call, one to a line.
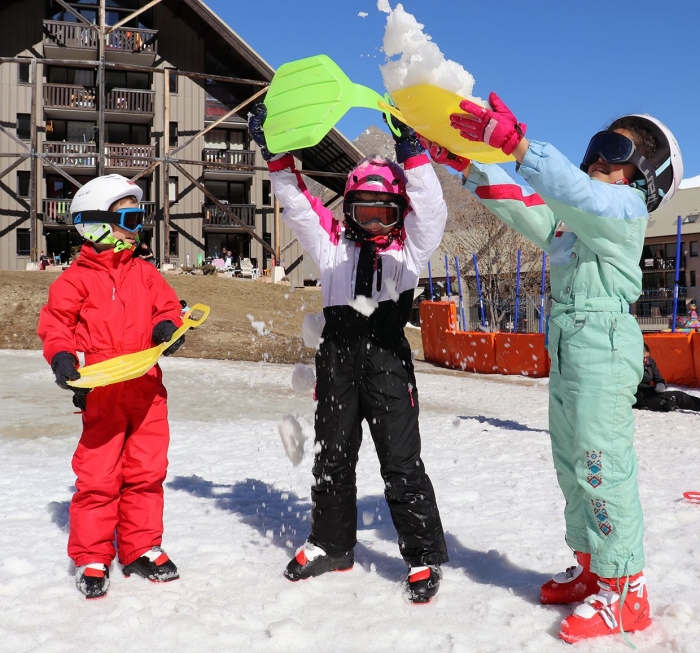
point(106, 304)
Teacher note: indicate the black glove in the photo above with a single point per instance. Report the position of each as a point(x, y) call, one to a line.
point(407, 143)
point(64, 366)
point(162, 332)
point(256, 118)
point(80, 398)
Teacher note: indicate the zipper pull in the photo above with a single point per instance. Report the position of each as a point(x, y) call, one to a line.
point(410, 394)
point(113, 291)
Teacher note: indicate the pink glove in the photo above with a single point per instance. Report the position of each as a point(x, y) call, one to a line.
point(496, 127)
point(443, 156)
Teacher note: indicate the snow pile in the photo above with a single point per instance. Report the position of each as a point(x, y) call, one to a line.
point(415, 59)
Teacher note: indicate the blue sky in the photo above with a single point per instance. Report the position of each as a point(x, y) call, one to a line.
point(566, 68)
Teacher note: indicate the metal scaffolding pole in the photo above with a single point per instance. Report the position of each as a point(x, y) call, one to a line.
point(165, 168)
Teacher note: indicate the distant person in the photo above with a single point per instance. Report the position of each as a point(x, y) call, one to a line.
point(394, 218)
point(653, 395)
point(692, 310)
point(228, 259)
point(143, 251)
point(109, 303)
point(43, 261)
point(591, 219)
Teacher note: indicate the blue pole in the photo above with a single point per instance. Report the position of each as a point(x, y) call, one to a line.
point(430, 281)
point(678, 276)
point(517, 295)
point(447, 277)
point(461, 300)
point(544, 271)
point(478, 289)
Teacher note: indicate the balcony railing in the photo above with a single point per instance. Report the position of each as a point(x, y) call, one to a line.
point(213, 156)
point(69, 35)
point(57, 211)
point(214, 216)
point(70, 96)
point(128, 39)
point(75, 35)
point(85, 154)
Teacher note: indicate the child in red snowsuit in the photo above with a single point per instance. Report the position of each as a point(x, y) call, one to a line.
point(106, 304)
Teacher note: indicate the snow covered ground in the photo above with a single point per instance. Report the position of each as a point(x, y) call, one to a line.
point(236, 510)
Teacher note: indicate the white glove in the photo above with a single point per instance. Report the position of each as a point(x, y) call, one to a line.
point(660, 387)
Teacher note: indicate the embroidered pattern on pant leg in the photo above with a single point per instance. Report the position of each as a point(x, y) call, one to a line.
point(601, 515)
point(594, 461)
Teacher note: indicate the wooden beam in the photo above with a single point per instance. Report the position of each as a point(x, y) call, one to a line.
point(77, 14)
point(123, 21)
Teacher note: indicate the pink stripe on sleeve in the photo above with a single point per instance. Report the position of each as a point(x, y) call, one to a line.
point(508, 192)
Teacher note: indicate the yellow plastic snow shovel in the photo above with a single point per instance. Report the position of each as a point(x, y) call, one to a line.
point(132, 366)
point(427, 109)
point(307, 98)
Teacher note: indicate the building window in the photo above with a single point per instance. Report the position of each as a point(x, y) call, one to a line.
point(173, 134)
point(692, 277)
point(266, 193)
point(24, 73)
point(174, 244)
point(23, 179)
point(172, 189)
point(693, 247)
point(172, 81)
point(24, 129)
point(23, 246)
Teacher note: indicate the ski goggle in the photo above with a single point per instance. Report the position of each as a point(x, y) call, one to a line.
point(128, 219)
point(387, 214)
point(609, 146)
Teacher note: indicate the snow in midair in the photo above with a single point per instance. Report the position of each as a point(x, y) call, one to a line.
point(303, 378)
point(364, 305)
point(413, 57)
point(311, 329)
point(292, 439)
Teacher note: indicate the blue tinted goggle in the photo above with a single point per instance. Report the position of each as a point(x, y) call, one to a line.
point(128, 219)
point(609, 146)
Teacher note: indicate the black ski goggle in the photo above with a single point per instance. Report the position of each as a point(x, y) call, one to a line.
point(609, 146)
point(128, 219)
point(387, 214)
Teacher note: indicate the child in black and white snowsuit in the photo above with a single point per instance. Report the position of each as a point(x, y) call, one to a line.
point(394, 219)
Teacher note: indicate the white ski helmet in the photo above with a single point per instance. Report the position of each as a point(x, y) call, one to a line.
point(661, 179)
point(98, 195)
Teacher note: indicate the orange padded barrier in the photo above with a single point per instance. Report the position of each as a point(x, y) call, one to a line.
point(522, 353)
point(472, 351)
point(673, 353)
point(436, 319)
point(695, 347)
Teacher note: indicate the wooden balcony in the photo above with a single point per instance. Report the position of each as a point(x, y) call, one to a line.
point(120, 157)
point(73, 101)
point(64, 40)
point(57, 212)
point(215, 217)
point(221, 163)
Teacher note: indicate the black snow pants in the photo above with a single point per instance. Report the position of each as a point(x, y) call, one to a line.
point(649, 399)
point(359, 380)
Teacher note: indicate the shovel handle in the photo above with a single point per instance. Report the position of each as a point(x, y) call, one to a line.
point(389, 111)
point(193, 318)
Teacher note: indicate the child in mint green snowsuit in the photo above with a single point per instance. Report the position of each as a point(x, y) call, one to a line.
point(591, 220)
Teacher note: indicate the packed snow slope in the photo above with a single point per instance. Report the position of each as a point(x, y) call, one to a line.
point(236, 509)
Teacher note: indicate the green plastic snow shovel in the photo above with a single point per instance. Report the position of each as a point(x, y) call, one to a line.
point(307, 98)
point(132, 366)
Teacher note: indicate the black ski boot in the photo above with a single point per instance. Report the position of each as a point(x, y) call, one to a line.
point(423, 583)
point(92, 580)
point(153, 565)
point(312, 560)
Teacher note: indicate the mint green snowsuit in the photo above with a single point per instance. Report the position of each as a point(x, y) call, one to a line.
point(594, 233)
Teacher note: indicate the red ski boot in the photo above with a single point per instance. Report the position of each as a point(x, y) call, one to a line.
point(602, 614)
point(572, 585)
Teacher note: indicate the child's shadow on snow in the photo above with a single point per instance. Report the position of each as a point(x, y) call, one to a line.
point(509, 424)
point(58, 510)
point(283, 518)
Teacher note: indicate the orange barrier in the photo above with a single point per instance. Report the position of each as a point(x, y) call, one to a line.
point(436, 320)
point(522, 353)
point(674, 356)
point(472, 351)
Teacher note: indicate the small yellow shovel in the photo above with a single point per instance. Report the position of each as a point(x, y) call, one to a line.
point(132, 366)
